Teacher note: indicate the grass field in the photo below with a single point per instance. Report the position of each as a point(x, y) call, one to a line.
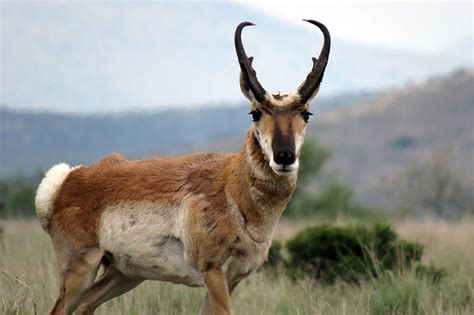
point(28, 282)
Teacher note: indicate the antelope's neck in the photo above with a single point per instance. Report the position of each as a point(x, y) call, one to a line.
point(264, 195)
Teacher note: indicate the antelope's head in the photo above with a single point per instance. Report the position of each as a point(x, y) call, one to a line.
point(279, 120)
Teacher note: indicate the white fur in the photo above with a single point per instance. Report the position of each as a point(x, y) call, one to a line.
point(48, 190)
point(287, 170)
point(299, 139)
point(256, 169)
point(266, 145)
point(286, 99)
point(146, 241)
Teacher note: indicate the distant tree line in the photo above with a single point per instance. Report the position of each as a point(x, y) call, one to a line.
point(17, 196)
point(324, 194)
point(427, 187)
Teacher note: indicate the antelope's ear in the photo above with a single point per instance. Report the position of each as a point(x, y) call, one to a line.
point(244, 85)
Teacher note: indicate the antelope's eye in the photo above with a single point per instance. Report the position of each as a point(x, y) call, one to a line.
point(256, 115)
point(306, 115)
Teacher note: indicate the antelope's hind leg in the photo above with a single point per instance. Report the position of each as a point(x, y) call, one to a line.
point(111, 284)
point(78, 276)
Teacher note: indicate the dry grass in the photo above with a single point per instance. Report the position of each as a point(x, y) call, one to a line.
point(28, 282)
point(443, 239)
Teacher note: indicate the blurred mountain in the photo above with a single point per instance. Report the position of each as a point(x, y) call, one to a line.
point(32, 141)
point(372, 136)
point(99, 57)
point(374, 139)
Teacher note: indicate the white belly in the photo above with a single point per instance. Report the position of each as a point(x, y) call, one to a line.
point(145, 241)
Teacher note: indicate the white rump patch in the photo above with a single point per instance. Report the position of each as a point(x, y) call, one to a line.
point(48, 189)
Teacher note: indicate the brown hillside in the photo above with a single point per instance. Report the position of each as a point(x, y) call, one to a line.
point(372, 140)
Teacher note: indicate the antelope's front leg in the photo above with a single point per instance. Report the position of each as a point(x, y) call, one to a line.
point(217, 300)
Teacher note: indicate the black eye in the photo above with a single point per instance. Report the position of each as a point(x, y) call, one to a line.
point(256, 115)
point(306, 116)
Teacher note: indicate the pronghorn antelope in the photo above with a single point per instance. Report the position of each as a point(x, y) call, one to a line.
point(199, 220)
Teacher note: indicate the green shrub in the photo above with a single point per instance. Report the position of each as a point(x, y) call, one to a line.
point(17, 197)
point(350, 253)
point(274, 255)
point(431, 273)
point(313, 156)
point(2, 243)
point(312, 159)
point(335, 200)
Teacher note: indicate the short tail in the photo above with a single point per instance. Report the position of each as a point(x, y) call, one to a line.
point(47, 191)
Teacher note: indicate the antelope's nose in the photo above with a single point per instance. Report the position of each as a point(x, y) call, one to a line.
point(284, 157)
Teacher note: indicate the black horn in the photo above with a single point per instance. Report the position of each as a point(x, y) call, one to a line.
point(314, 78)
point(248, 73)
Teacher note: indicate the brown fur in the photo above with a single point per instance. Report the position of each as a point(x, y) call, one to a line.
point(87, 191)
point(217, 292)
point(205, 181)
point(219, 211)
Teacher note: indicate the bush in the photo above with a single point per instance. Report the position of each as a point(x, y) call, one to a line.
point(17, 197)
point(349, 253)
point(274, 255)
point(336, 201)
point(312, 159)
point(431, 273)
point(333, 200)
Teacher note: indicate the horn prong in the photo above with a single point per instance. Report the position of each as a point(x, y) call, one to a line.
point(314, 78)
point(248, 73)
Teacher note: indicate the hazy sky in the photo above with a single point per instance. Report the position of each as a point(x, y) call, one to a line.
point(100, 55)
point(413, 25)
